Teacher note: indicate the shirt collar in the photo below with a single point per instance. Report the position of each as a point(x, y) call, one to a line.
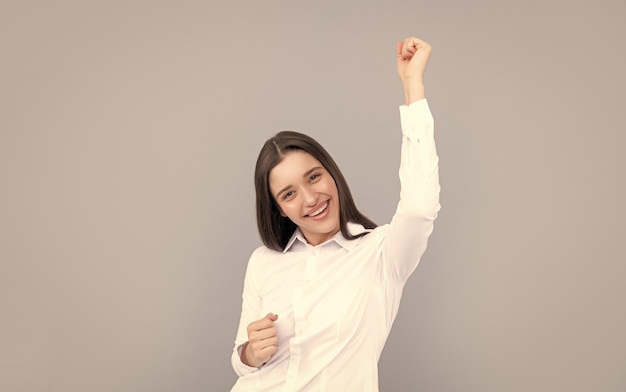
point(353, 228)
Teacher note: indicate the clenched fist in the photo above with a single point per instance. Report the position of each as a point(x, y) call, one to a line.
point(412, 56)
point(262, 341)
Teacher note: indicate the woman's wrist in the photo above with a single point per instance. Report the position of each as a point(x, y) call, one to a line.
point(413, 91)
point(245, 357)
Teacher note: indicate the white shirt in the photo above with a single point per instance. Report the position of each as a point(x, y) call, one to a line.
point(336, 301)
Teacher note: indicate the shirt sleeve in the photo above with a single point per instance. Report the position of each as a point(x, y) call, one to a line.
point(250, 309)
point(417, 209)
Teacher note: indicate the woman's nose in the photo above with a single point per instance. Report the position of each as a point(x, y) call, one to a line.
point(309, 197)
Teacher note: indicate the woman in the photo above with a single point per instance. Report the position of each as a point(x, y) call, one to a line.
point(320, 297)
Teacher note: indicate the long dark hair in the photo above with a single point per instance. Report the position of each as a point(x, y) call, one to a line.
point(275, 229)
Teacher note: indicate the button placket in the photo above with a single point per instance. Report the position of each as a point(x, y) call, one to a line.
point(311, 265)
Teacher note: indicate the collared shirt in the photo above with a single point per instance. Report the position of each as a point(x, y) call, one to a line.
point(336, 301)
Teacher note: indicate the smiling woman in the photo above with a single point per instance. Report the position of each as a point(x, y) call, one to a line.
point(334, 276)
point(295, 178)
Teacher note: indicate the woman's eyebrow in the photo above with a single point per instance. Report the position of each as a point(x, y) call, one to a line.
point(306, 174)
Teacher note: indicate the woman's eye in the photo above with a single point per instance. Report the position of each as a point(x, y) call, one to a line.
point(314, 177)
point(287, 195)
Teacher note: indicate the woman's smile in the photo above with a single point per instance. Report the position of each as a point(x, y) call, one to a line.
point(319, 211)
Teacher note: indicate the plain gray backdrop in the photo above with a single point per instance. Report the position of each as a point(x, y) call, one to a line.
point(128, 136)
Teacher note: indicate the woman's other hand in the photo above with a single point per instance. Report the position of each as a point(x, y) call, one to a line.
point(262, 341)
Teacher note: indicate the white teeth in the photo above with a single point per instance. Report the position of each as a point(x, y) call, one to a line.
point(322, 208)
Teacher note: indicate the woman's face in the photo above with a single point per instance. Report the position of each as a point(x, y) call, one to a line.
point(307, 194)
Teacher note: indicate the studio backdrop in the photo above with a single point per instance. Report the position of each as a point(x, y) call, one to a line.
point(128, 136)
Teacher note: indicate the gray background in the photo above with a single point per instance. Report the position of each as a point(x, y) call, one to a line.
point(128, 135)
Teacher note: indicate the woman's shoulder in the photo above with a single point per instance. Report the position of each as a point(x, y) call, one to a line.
point(375, 235)
point(262, 253)
point(380, 230)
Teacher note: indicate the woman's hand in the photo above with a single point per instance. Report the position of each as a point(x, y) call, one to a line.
point(262, 341)
point(412, 55)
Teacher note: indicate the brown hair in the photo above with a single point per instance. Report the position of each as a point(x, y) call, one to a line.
point(275, 229)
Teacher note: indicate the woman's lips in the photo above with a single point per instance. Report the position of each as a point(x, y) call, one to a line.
point(319, 211)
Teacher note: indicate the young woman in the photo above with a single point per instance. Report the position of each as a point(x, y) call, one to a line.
point(320, 297)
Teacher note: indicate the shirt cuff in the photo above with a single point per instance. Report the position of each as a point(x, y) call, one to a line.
point(416, 120)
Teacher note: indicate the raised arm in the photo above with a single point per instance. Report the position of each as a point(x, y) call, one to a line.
point(417, 209)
